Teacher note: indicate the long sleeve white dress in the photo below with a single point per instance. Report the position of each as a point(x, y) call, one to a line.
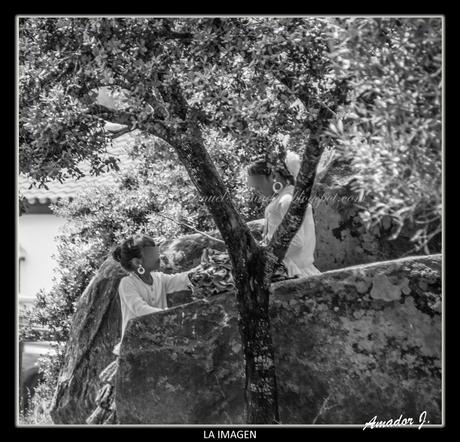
point(299, 256)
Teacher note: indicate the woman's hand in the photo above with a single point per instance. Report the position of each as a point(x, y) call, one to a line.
point(204, 263)
point(192, 272)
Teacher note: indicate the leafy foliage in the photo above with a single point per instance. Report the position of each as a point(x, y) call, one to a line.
point(391, 129)
point(241, 77)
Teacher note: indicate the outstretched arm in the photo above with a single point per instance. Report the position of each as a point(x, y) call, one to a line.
point(182, 281)
point(175, 282)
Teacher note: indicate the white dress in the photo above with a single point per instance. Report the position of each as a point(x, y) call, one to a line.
point(299, 256)
point(138, 298)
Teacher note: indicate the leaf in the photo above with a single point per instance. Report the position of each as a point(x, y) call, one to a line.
point(340, 126)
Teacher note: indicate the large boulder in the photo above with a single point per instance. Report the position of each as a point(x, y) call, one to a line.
point(342, 238)
point(95, 329)
point(349, 344)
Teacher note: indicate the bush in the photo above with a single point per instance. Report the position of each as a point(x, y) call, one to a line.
point(38, 411)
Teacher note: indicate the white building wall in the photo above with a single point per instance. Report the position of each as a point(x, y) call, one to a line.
point(36, 235)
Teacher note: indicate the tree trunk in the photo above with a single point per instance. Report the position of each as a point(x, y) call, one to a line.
point(260, 388)
point(253, 295)
point(252, 292)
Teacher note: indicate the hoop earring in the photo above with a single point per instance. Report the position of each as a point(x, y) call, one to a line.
point(274, 186)
point(140, 270)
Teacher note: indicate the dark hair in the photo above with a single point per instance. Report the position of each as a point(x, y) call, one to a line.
point(131, 248)
point(263, 166)
point(260, 167)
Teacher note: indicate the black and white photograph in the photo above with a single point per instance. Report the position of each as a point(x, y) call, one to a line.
point(230, 222)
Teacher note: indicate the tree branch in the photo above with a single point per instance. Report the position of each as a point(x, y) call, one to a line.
point(127, 121)
point(193, 228)
point(119, 132)
point(117, 116)
point(189, 145)
point(186, 36)
point(293, 219)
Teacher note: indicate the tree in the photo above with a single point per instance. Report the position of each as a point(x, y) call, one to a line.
point(256, 81)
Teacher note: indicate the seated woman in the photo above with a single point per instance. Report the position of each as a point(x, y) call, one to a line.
point(277, 182)
point(144, 290)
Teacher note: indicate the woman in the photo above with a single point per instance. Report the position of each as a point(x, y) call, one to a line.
point(144, 290)
point(277, 183)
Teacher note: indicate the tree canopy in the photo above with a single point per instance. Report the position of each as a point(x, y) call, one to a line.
point(258, 81)
point(240, 76)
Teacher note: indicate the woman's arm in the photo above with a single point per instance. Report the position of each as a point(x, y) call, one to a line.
point(183, 280)
point(176, 282)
